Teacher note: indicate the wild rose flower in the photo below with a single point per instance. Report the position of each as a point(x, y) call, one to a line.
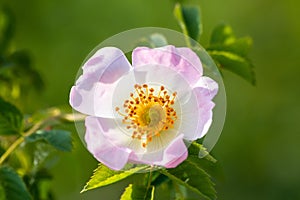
point(144, 112)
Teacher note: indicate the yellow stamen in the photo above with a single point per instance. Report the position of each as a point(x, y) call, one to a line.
point(147, 113)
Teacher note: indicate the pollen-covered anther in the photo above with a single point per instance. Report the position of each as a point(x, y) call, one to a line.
point(148, 112)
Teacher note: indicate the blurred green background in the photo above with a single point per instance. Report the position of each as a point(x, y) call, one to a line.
point(259, 148)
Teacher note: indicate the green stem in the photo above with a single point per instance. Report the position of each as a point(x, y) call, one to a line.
point(149, 179)
point(55, 114)
point(149, 182)
point(19, 141)
point(11, 149)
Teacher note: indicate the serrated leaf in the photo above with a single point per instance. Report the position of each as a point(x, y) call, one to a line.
point(12, 185)
point(198, 150)
point(138, 192)
point(104, 176)
point(11, 119)
point(223, 39)
point(60, 139)
point(234, 63)
point(200, 157)
point(230, 52)
point(192, 176)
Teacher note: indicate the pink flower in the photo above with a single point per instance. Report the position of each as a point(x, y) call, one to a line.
point(144, 112)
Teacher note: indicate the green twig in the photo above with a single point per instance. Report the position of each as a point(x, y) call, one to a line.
point(11, 149)
point(21, 139)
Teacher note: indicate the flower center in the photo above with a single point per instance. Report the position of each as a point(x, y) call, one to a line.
point(148, 112)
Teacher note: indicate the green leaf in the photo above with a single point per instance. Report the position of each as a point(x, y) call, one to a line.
point(12, 185)
point(60, 139)
point(180, 19)
point(240, 46)
point(230, 52)
point(228, 42)
point(221, 34)
point(179, 191)
point(189, 20)
point(158, 179)
point(104, 176)
point(6, 28)
point(11, 119)
point(198, 150)
point(234, 63)
point(192, 19)
point(138, 192)
point(200, 157)
point(193, 177)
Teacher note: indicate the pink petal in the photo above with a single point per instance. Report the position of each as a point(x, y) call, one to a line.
point(104, 150)
point(182, 60)
point(205, 90)
point(170, 157)
point(108, 63)
point(93, 92)
point(112, 131)
point(205, 121)
point(174, 154)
